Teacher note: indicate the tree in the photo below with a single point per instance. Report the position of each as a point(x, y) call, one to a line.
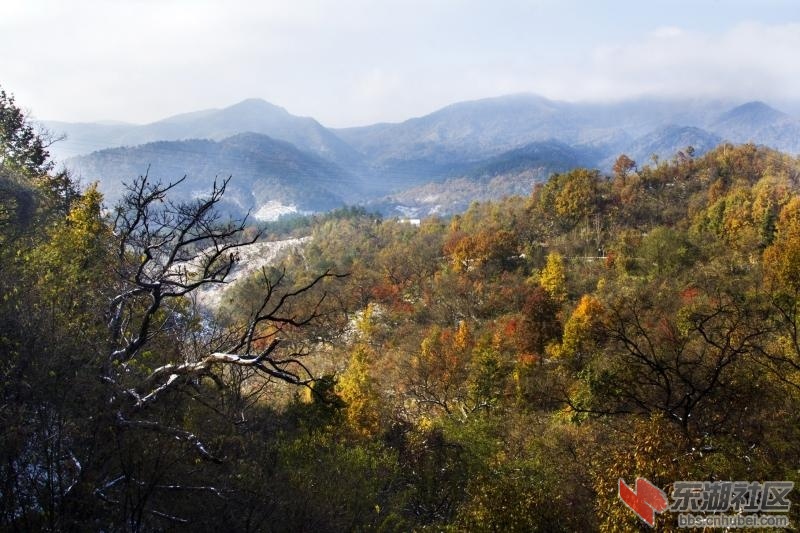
point(623, 166)
point(582, 331)
point(165, 251)
point(355, 386)
point(665, 251)
point(27, 187)
point(103, 356)
point(782, 273)
point(21, 147)
point(578, 196)
point(47, 326)
point(439, 371)
point(678, 360)
point(552, 277)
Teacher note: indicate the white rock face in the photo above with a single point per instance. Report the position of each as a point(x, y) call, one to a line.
point(273, 210)
point(251, 258)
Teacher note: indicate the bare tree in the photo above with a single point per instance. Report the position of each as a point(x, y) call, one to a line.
point(165, 251)
point(682, 366)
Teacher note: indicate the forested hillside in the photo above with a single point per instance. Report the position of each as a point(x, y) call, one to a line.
point(498, 370)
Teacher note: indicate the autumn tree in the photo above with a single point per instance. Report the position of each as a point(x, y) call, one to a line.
point(102, 353)
point(577, 195)
point(782, 266)
point(677, 356)
point(553, 278)
point(535, 326)
point(623, 166)
point(582, 332)
point(355, 387)
point(438, 372)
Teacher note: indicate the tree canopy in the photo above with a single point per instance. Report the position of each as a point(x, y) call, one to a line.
point(498, 370)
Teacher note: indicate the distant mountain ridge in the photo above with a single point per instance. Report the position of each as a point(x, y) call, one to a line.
point(248, 116)
point(265, 169)
point(510, 173)
point(758, 122)
point(490, 126)
point(510, 139)
point(665, 142)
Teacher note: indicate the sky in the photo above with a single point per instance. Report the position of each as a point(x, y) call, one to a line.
point(356, 62)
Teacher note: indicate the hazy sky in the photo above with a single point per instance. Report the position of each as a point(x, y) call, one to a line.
point(350, 62)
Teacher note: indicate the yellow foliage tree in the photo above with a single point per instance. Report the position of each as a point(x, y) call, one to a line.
point(71, 262)
point(553, 279)
point(578, 196)
point(355, 387)
point(463, 337)
point(782, 258)
point(580, 329)
point(357, 391)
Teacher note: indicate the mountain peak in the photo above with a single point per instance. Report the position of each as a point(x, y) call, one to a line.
point(755, 111)
point(255, 105)
point(508, 101)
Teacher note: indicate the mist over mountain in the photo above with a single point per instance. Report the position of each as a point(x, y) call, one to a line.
point(248, 116)
point(514, 172)
point(478, 150)
point(487, 127)
point(760, 123)
point(553, 155)
point(665, 142)
point(749, 117)
point(267, 172)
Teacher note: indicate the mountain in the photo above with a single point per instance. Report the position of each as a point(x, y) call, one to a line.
point(758, 122)
point(448, 142)
point(665, 142)
point(267, 174)
point(490, 126)
point(249, 116)
point(550, 155)
point(514, 172)
point(483, 148)
point(743, 121)
point(473, 129)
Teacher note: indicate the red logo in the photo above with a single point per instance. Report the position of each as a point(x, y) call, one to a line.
point(645, 501)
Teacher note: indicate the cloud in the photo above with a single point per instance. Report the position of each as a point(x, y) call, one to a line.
point(667, 32)
point(748, 61)
point(358, 61)
point(745, 62)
